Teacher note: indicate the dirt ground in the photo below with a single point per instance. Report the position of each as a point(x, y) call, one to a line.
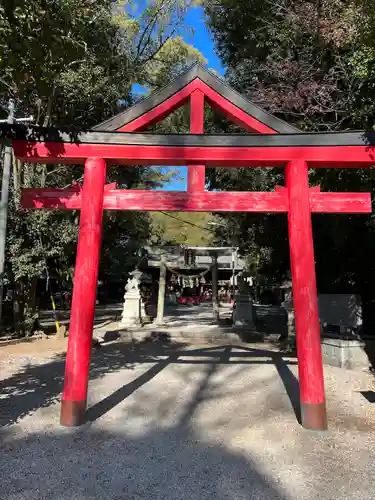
point(181, 422)
point(34, 347)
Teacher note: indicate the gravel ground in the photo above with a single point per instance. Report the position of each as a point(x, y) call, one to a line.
point(182, 423)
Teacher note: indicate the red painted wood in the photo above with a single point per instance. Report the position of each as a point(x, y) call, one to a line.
point(198, 202)
point(118, 199)
point(345, 203)
point(85, 282)
point(316, 156)
point(68, 199)
point(304, 285)
point(196, 180)
point(160, 112)
point(215, 100)
point(121, 199)
point(350, 203)
point(231, 111)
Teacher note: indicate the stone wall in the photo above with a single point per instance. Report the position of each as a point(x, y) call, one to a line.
point(350, 354)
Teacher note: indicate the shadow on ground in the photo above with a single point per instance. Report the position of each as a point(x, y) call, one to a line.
point(369, 349)
point(160, 465)
point(369, 396)
point(40, 385)
point(150, 463)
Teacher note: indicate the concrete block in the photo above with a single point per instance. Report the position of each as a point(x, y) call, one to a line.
point(343, 353)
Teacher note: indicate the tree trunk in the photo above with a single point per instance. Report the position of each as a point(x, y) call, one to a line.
point(18, 307)
point(215, 295)
point(31, 304)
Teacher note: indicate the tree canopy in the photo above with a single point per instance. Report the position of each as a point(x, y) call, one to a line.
point(75, 63)
point(185, 228)
point(71, 62)
point(311, 63)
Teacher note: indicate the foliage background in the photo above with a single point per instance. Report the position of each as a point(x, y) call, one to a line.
point(310, 62)
point(74, 63)
point(70, 62)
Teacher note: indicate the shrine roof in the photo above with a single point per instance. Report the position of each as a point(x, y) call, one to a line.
point(218, 85)
point(20, 132)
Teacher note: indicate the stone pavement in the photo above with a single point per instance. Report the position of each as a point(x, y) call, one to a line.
point(181, 323)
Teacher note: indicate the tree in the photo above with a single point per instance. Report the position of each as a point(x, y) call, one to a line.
point(312, 64)
point(73, 63)
point(182, 228)
point(308, 61)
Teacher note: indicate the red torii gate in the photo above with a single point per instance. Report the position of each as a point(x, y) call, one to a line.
point(271, 143)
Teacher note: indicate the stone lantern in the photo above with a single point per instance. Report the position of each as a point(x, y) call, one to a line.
point(134, 311)
point(243, 312)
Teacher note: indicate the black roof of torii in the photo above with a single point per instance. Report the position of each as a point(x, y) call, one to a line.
point(211, 80)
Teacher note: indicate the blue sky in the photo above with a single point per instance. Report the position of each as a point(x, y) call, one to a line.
point(201, 39)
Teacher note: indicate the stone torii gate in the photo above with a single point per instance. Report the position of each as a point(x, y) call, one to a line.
point(270, 143)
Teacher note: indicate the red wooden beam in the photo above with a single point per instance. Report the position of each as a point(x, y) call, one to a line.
point(302, 263)
point(77, 365)
point(196, 179)
point(349, 203)
point(118, 199)
point(215, 100)
point(122, 199)
point(73, 153)
point(236, 114)
point(161, 111)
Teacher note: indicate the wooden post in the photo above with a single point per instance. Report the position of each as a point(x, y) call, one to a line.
point(161, 295)
point(215, 298)
point(73, 407)
point(196, 173)
point(310, 366)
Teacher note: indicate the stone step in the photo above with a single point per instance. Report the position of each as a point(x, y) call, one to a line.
point(194, 336)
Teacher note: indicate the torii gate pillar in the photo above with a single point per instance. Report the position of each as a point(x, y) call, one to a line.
point(73, 406)
point(310, 366)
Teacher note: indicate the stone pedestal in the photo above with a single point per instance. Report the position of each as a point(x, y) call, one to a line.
point(243, 312)
point(134, 308)
point(345, 353)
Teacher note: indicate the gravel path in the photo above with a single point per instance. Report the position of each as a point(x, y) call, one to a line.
point(189, 423)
